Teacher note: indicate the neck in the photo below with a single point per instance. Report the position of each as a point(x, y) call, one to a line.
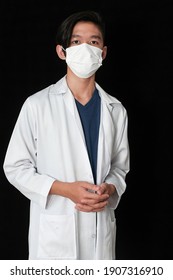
point(82, 89)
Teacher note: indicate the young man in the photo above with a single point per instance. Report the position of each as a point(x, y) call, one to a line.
point(69, 152)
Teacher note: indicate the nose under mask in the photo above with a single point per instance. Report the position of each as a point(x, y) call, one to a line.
point(84, 60)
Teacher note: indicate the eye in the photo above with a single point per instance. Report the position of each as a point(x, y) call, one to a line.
point(94, 42)
point(75, 42)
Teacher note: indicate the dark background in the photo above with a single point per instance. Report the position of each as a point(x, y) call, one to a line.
point(138, 71)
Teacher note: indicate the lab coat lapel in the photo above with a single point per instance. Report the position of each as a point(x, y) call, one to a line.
point(71, 105)
point(106, 136)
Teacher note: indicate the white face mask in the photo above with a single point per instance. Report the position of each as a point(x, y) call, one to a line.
point(84, 59)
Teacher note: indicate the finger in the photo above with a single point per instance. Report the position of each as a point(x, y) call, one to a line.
point(87, 208)
point(90, 207)
point(100, 205)
point(95, 200)
point(83, 207)
point(92, 188)
point(96, 197)
point(102, 189)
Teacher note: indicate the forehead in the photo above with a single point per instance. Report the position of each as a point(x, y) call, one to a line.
point(87, 29)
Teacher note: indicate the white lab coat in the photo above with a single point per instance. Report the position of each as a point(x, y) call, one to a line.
point(47, 144)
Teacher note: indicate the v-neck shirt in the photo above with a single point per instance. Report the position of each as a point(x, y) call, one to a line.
point(90, 119)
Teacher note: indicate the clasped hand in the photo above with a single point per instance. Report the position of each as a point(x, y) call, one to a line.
point(89, 197)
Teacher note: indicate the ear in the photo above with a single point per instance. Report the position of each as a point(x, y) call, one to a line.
point(60, 52)
point(104, 53)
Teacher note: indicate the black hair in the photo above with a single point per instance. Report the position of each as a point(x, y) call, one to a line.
point(64, 32)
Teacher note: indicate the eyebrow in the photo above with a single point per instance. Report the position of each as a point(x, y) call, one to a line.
point(91, 37)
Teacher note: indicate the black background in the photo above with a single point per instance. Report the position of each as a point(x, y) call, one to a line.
point(138, 71)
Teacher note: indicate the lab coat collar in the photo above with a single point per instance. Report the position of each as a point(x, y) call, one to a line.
point(61, 87)
point(110, 100)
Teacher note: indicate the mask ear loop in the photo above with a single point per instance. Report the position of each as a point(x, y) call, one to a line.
point(63, 49)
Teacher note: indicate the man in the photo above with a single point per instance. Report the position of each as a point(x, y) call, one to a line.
point(69, 152)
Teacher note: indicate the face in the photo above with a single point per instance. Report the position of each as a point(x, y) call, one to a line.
point(85, 32)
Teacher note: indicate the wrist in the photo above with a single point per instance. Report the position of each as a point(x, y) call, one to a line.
point(112, 189)
point(59, 188)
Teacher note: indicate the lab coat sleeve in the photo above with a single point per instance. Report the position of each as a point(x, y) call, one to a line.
point(120, 159)
point(20, 165)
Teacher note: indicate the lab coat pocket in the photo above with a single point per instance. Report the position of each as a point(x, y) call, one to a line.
point(57, 237)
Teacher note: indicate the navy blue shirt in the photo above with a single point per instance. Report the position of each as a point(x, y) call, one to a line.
point(90, 119)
